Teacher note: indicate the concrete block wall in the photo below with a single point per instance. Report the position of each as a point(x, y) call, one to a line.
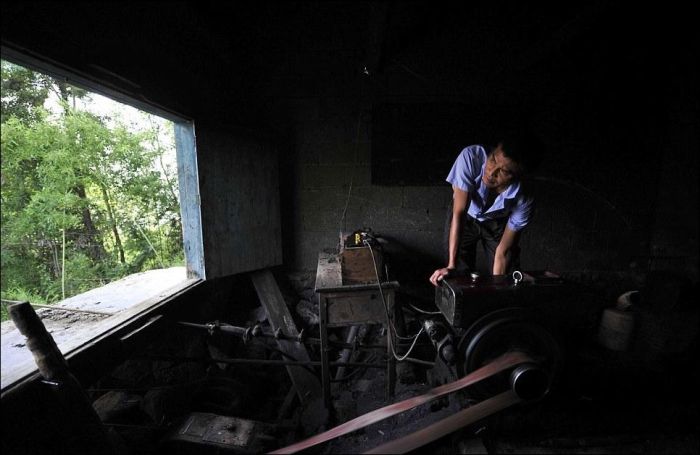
point(583, 220)
point(601, 198)
point(332, 170)
point(590, 216)
point(332, 189)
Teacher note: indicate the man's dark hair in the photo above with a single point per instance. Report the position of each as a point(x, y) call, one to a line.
point(524, 148)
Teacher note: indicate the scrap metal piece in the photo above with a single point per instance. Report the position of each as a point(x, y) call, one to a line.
point(233, 434)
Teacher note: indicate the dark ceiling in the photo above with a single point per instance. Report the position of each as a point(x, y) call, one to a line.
point(191, 56)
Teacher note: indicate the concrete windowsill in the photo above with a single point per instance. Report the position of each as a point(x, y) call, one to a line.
point(120, 300)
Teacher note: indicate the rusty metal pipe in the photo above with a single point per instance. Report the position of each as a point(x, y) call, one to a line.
point(254, 332)
point(345, 355)
point(258, 361)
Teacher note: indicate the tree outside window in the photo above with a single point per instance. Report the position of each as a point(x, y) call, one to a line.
point(89, 192)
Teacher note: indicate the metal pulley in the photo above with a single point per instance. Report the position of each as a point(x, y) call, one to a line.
point(505, 330)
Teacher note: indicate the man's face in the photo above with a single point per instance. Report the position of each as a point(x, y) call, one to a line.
point(499, 171)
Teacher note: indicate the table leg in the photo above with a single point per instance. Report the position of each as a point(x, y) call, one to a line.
point(391, 361)
point(325, 368)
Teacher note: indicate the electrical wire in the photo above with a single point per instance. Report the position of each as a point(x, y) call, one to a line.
point(381, 292)
point(423, 311)
point(388, 317)
point(402, 358)
point(347, 201)
point(343, 225)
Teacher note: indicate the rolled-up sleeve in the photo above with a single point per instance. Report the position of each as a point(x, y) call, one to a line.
point(465, 169)
point(522, 213)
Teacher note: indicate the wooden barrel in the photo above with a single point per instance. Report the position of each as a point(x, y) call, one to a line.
point(615, 331)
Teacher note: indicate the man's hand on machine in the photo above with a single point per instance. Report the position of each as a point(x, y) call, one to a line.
point(441, 274)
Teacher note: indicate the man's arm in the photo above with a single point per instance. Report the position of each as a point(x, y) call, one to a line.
point(503, 250)
point(460, 202)
point(459, 206)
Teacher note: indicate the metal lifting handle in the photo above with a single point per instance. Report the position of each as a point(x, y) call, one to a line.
point(517, 277)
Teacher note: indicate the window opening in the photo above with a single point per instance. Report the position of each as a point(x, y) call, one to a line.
point(91, 200)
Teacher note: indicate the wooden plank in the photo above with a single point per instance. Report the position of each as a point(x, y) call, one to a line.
point(58, 308)
point(328, 272)
point(352, 288)
point(76, 405)
point(190, 200)
point(240, 206)
point(306, 383)
point(100, 333)
point(363, 307)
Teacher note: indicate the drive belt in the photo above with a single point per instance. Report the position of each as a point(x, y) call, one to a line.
point(507, 360)
point(449, 424)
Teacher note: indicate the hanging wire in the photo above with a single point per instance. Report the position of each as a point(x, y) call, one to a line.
point(418, 310)
point(388, 317)
point(343, 223)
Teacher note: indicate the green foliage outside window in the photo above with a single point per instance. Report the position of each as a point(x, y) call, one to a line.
point(86, 199)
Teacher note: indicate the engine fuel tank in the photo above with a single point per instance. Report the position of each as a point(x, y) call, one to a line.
point(464, 299)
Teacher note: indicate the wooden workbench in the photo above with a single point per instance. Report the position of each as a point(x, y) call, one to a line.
point(345, 305)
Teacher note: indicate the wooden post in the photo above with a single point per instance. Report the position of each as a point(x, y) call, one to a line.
point(90, 435)
point(280, 319)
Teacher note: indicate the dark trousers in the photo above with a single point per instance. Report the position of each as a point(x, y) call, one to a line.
point(486, 233)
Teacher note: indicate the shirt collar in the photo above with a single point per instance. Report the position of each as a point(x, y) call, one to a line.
point(512, 190)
